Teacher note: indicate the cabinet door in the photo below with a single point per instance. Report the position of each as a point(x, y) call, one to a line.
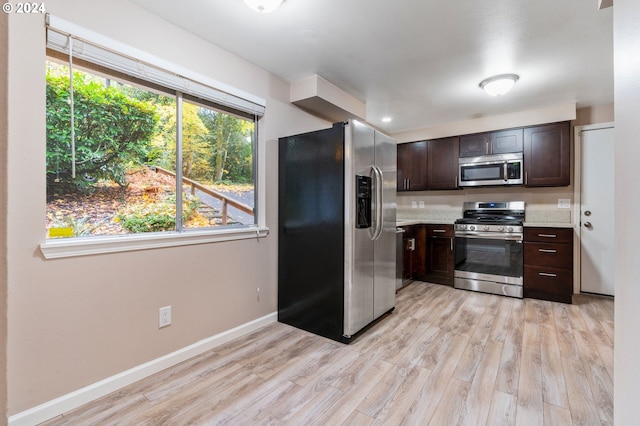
point(412, 166)
point(408, 252)
point(474, 145)
point(420, 253)
point(546, 155)
point(442, 169)
point(440, 260)
point(407, 259)
point(404, 165)
point(506, 141)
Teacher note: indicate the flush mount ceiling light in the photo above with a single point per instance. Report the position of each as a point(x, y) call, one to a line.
point(498, 85)
point(263, 6)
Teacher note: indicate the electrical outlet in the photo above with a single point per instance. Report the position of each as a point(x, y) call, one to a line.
point(564, 203)
point(414, 205)
point(421, 204)
point(164, 318)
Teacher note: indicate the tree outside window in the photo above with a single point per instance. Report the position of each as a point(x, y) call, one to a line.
point(121, 167)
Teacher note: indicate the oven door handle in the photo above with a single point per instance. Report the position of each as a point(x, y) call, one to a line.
point(490, 236)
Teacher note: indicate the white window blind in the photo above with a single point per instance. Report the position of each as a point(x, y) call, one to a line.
point(111, 54)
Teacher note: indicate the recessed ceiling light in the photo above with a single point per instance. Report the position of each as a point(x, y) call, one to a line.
point(386, 119)
point(498, 85)
point(263, 6)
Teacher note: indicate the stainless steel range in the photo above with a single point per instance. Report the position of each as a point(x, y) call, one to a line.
point(489, 248)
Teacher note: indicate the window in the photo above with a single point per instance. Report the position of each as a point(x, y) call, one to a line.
point(136, 149)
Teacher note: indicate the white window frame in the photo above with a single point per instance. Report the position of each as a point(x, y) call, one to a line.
point(82, 246)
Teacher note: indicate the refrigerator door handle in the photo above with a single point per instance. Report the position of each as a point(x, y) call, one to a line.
point(378, 202)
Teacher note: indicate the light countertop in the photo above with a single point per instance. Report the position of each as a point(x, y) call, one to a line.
point(533, 217)
point(548, 225)
point(409, 222)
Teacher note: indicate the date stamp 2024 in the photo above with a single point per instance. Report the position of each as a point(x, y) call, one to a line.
point(23, 8)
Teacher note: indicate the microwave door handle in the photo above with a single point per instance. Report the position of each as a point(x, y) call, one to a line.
point(504, 173)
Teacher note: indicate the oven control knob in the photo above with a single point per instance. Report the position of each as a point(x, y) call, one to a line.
point(462, 226)
point(500, 228)
point(509, 229)
point(472, 227)
point(485, 228)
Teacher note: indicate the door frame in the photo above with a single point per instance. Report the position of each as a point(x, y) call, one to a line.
point(577, 197)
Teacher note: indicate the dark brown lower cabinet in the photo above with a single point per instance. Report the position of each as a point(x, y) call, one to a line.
point(439, 254)
point(408, 253)
point(548, 264)
point(420, 253)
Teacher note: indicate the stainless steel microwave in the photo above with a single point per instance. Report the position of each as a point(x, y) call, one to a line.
point(491, 170)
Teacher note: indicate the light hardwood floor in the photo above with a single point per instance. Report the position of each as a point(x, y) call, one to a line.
point(443, 357)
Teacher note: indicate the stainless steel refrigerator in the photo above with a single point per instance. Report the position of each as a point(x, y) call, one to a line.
point(336, 229)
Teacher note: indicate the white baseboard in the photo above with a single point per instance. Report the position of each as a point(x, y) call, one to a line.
point(89, 393)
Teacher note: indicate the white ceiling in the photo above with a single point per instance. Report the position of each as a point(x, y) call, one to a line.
point(420, 61)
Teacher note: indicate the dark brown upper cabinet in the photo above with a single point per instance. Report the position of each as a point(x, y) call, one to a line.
point(442, 169)
point(547, 160)
point(499, 142)
point(412, 166)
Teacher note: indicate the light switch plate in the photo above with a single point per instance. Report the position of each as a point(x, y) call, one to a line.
point(421, 204)
point(564, 203)
point(414, 205)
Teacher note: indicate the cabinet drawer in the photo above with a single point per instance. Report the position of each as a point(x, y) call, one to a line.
point(409, 231)
point(545, 254)
point(548, 235)
point(439, 230)
point(548, 280)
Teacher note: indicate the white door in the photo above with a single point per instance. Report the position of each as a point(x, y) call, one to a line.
point(597, 249)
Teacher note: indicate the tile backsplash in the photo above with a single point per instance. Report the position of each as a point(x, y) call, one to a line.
point(541, 204)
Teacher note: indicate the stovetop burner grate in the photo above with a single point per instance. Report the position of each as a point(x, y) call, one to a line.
point(493, 213)
point(497, 221)
point(492, 216)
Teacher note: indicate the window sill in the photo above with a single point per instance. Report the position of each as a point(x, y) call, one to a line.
point(72, 247)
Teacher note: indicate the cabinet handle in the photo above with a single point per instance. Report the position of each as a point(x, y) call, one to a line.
point(439, 230)
point(547, 251)
point(408, 183)
point(486, 147)
point(526, 178)
point(547, 235)
point(451, 241)
point(546, 274)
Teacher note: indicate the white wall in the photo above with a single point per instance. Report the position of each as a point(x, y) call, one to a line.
point(626, 41)
point(75, 321)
